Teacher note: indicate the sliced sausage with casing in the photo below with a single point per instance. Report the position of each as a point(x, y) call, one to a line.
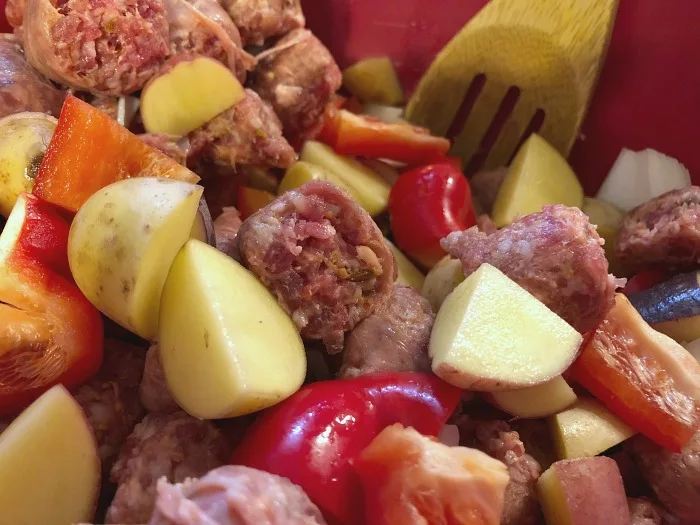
point(259, 20)
point(323, 257)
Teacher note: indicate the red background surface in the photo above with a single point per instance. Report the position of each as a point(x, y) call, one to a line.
point(649, 91)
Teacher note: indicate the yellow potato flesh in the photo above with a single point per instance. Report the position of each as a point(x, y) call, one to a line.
point(408, 274)
point(374, 80)
point(189, 95)
point(441, 280)
point(122, 243)
point(49, 464)
point(302, 172)
point(226, 345)
point(538, 175)
point(490, 335)
point(587, 429)
point(553, 498)
point(371, 191)
point(536, 401)
point(24, 138)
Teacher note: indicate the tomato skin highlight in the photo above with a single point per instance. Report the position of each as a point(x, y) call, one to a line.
point(425, 205)
point(364, 136)
point(313, 437)
point(49, 332)
point(617, 370)
point(89, 151)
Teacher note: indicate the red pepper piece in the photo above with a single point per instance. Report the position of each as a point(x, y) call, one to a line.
point(313, 437)
point(251, 200)
point(644, 280)
point(49, 331)
point(89, 151)
point(649, 383)
point(365, 136)
point(425, 205)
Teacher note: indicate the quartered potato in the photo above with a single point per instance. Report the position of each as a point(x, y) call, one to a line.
point(408, 274)
point(24, 138)
point(122, 243)
point(374, 80)
point(441, 280)
point(227, 346)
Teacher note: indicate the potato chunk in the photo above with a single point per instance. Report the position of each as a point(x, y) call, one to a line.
point(490, 335)
point(227, 347)
point(374, 80)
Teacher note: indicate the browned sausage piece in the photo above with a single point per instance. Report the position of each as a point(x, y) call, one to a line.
point(392, 339)
point(556, 255)
point(674, 477)
point(298, 80)
point(22, 88)
point(111, 398)
point(496, 438)
point(202, 27)
point(237, 496)
point(643, 512)
point(226, 228)
point(323, 257)
point(154, 392)
point(110, 47)
point(175, 446)
point(247, 133)
point(663, 232)
point(259, 20)
point(176, 149)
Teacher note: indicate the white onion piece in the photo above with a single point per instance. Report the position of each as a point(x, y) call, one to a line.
point(694, 348)
point(449, 435)
point(126, 110)
point(390, 114)
point(639, 176)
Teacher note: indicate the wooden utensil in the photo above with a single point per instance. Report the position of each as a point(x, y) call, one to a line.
point(518, 66)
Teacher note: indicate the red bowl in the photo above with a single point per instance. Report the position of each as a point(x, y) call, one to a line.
point(649, 90)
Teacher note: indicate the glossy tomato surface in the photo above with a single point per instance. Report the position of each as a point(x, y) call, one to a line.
point(648, 95)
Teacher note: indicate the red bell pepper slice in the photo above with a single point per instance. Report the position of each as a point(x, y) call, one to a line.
point(313, 437)
point(425, 205)
point(251, 200)
point(650, 383)
point(644, 280)
point(365, 136)
point(89, 151)
point(49, 331)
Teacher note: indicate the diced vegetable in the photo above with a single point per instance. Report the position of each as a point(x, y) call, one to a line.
point(639, 176)
point(369, 189)
point(535, 401)
point(49, 464)
point(302, 172)
point(425, 205)
point(608, 219)
point(188, 94)
point(122, 243)
point(408, 274)
point(49, 332)
point(389, 114)
point(314, 437)
point(585, 491)
point(23, 141)
point(644, 280)
point(538, 175)
point(374, 80)
point(643, 377)
point(350, 134)
point(251, 200)
point(587, 429)
point(409, 478)
point(89, 151)
point(441, 280)
point(227, 347)
point(491, 335)
point(672, 307)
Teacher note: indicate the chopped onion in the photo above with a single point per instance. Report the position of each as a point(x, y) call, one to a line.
point(126, 110)
point(390, 114)
point(639, 176)
point(694, 348)
point(449, 435)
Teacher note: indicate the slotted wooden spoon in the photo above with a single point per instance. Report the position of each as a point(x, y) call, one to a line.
point(518, 66)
